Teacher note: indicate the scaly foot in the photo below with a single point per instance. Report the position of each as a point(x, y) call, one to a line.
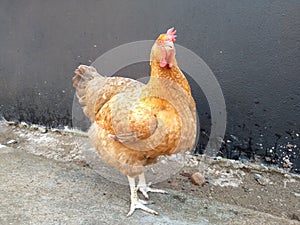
point(144, 188)
point(140, 204)
point(136, 203)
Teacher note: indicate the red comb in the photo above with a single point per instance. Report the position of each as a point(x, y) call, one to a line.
point(171, 34)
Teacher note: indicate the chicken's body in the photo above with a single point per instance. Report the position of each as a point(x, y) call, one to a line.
point(133, 123)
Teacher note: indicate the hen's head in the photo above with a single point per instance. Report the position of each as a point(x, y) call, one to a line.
point(163, 50)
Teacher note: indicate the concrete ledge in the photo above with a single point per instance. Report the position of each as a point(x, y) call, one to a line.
point(35, 190)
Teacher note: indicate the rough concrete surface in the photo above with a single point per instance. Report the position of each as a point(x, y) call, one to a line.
point(38, 189)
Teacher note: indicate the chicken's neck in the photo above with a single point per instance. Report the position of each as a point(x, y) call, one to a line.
point(165, 76)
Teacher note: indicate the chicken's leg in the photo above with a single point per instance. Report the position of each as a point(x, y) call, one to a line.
point(136, 203)
point(144, 188)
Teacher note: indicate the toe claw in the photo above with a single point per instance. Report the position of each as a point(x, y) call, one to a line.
point(144, 192)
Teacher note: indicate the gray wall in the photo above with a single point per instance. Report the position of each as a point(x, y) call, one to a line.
point(251, 46)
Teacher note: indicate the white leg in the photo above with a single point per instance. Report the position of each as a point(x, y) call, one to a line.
point(144, 188)
point(136, 203)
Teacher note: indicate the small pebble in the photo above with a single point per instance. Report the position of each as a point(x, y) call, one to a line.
point(34, 127)
point(23, 125)
point(11, 123)
point(263, 167)
point(268, 159)
point(261, 180)
point(297, 194)
point(43, 130)
point(198, 179)
point(257, 176)
point(11, 142)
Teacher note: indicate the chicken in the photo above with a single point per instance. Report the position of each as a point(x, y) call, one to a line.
point(133, 124)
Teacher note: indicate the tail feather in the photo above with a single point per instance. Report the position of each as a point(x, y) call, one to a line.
point(88, 82)
point(94, 90)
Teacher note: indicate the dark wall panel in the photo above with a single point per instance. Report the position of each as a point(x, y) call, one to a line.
point(253, 48)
